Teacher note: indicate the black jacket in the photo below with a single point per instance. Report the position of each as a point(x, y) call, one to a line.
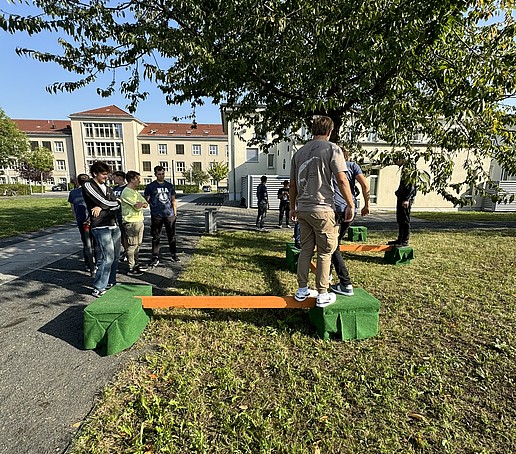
point(95, 197)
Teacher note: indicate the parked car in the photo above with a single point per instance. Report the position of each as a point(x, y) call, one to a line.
point(206, 188)
point(59, 187)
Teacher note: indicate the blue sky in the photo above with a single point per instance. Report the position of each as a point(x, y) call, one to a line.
point(23, 95)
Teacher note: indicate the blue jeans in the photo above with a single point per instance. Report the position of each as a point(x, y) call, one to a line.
point(108, 244)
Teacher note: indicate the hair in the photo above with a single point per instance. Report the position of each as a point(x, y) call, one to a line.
point(286, 182)
point(131, 175)
point(322, 126)
point(263, 179)
point(119, 173)
point(345, 150)
point(99, 167)
point(158, 169)
point(82, 178)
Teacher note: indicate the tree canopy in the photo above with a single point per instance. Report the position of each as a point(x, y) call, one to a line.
point(442, 68)
point(36, 165)
point(218, 171)
point(13, 142)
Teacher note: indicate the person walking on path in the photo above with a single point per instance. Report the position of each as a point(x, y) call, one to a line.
point(119, 179)
point(354, 174)
point(312, 196)
point(405, 195)
point(263, 202)
point(82, 217)
point(284, 207)
point(103, 205)
point(133, 204)
point(161, 196)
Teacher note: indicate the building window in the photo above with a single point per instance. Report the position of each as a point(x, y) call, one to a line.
point(197, 165)
point(162, 148)
point(146, 166)
point(180, 166)
point(145, 148)
point(115, 165)
point(270, 160)
point(180, 148)
point(47, 145)
point(60, 164)
point(59, 147)
point(34, 145)
point(196, 150)
point(103, 130)
point(62, 180)
point(164, 164)
point(181, 181)
point(147, 180)
point(90, 148)
point(284, 164)
point(251, 154)
point(227, 151)
point(373, 185)
point(214, 150)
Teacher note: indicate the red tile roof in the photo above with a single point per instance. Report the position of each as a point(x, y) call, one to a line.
point(182, 130)
point(44, 126)
point(107, 111)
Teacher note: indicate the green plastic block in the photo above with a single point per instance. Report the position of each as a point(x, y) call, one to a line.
point(357, 233)
point(116, 320)
point(292, 257)
point(350, 317)
point(399, 256)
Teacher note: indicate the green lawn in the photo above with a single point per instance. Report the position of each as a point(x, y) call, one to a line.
point(29, 214)
point(466, 216)
point(439, 378)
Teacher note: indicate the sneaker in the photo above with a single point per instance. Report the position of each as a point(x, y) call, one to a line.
point(393, 242)
point(346, 290)
point(135, 272)
point(175, 258)
point(154, 261)
point(109, 286)
point(280, 226)
point(142, 267)
point(123, 257)
point(304, 293)
point(405, 244)
point(98, 293)
point(325, 299)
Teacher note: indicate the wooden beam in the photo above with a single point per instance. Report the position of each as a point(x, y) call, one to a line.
point(224, 302)
point(365, 247)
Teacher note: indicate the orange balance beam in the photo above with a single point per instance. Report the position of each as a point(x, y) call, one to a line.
point(365, 247)
point(225, 302)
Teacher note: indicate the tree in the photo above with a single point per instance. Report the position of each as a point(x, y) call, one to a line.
point(196, 176)
point(442, 68)
point(37, 165)
point(13, 142)
point(218, 171)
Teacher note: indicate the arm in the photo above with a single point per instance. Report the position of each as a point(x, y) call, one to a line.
point(365, 190)
point(344, 189)
point(292, 192)
point(174, 204)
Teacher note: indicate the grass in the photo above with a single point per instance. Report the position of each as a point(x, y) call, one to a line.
point(439, 377)
point(466, 216)
point(29, 214)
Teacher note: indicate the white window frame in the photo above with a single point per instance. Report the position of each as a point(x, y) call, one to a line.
point(180, 166)
point(60, 164)
point(270, 160)
point(214, 150)
point(252, 154)
point(196, 150)
point(59, 147)
point(164, 164)
point(162, 148)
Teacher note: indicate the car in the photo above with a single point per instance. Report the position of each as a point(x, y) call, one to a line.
point(59, 187)
point(206, 188)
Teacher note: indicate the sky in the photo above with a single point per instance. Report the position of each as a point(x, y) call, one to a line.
point(23, 95)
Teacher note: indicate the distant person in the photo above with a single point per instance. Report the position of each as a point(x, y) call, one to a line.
point(133, 204)
point(354, 174)
point(119, 179)
point(82, 217)
point(405, 195)
point(263, 202)
point(284, 207)
point(312, 196)
point(103, 205)
point(161, 196)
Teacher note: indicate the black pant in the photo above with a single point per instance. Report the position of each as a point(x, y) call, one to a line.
point(262, 213)
point(156, 228)
point(403, 220)
point(284, 209)
point(336, 258)
point(88, 247)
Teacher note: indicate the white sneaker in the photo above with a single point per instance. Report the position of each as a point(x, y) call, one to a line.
point(346, 290)
point(304, 293)
point(325, 299)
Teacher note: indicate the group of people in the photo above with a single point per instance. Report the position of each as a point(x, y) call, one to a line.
point(323, 196)
point(110, 219)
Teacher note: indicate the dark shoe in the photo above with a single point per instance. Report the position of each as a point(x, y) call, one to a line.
point(154, 261)
point(405, 244)
point(175, 258)
point(123, 257)
point(393, 242)
point(135, 272)
point(346, 290)
point(109, 286)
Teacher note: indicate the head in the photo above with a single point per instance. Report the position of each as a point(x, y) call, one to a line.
point(286, 183)
point(81, 179)
point(99, 171)
point(322, 126)
point(263, 179)
point(159, 172)
point(119, 178)
point(133, 178)
point(345, 151)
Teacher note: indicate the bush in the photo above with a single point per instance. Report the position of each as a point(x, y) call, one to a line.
point(20, 189)
point(188, 188)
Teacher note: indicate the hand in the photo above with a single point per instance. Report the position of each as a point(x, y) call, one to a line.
point(405, 204)
point(96, 211)
point(365, 211)
point(349, 214)
point(293, 215)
